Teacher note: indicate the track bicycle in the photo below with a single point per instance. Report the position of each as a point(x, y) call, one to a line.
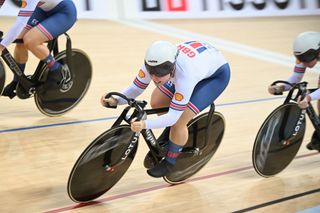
point(51, 101)
point(107, 158)
point(281, 134)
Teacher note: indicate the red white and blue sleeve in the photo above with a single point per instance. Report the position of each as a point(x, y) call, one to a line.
point(21, 21)
point(179, 103)
point(315, 95)
point(296, 76)
point(140, 83)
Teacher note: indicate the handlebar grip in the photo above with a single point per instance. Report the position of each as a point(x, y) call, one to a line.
point(278, 93)
point(117, 94)
point(283, 82)
point(130, 101)
point(109, 106)
point(109, 95)
point(139, 106)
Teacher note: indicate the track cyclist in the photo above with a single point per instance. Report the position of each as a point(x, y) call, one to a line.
point(38, 22)
point(189, 77)
point(306, 49)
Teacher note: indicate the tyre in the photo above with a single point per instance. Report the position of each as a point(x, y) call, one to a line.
point(102, 164)
point(207, 138)
point(278, 140)
point(2, 76)
point(55, 102)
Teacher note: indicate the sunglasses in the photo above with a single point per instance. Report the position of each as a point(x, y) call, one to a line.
point(308, 56)
point(160, 70)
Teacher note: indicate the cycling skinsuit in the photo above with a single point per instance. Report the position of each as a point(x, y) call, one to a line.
point(297, 75)
point(51, 17)
point(201, 75)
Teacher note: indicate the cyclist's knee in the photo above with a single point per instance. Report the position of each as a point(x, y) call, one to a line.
point(32, 40)
point(29, 43)
point(158, 102)
point(154, 103)
point(158, 99)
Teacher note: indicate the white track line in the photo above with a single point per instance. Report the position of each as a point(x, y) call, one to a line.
point(222, 44)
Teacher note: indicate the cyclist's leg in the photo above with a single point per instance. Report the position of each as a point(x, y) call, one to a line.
point(211, 88)
point(44, 28)
point(178, 138)
point(21, 57)
point(160, 97)
point(21, 52)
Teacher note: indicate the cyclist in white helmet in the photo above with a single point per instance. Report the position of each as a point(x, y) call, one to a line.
point(183, 74)
point(306, 48)
point(39, 21)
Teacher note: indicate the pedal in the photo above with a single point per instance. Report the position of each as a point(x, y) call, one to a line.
point(192, 151)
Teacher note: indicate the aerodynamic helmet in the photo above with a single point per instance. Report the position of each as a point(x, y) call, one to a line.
point(160, 58)
point(306, 46)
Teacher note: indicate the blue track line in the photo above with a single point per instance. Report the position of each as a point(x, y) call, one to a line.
point(250, 101)
point(111, 118)
point(56, 124)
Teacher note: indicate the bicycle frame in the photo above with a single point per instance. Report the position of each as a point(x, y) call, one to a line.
point(147, 134)
point(314, 118)
point(26, 83)
point(302, 91)
point(155, 148)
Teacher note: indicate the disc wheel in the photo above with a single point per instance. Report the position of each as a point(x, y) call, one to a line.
point(55, 102)
point(199, 132)
point(100, 166)
point(2, 76)
point(278, 140)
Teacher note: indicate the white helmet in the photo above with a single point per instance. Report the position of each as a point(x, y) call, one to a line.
point(160, 58)
point(306, 46)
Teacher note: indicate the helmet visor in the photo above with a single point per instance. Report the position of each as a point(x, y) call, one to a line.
point(161, 69)
point(308, 56)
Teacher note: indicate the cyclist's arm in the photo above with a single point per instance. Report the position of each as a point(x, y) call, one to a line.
point(20, 23)
point(315, 95)
point(168, 119)
point(177, 106)
point(296, 76)
point(137, 87)
point(1, 46)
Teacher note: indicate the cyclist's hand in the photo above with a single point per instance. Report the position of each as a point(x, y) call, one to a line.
point(303, 103)
point(275, 89)
point(137, 126)
point(108, 101)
